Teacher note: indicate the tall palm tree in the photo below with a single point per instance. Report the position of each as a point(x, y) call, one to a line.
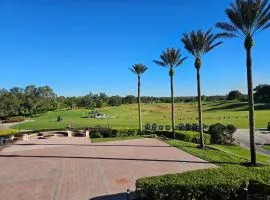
point(247, 17)
point(199, 43)
point(139, 69)
point(171, 58)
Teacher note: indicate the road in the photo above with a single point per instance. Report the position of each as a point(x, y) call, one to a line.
point(261, 137)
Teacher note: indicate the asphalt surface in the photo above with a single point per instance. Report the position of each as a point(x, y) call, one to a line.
point(241, 136)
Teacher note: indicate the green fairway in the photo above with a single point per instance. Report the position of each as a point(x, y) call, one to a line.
point(126, 116)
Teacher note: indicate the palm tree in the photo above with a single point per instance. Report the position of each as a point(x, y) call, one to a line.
point(171, 58)
point(247, 17)
point(199, 43)
point(139, 69)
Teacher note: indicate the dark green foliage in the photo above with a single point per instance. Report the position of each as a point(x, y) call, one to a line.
point(96, 135)
point(193, 137)
point(26, 101)
point(221, 134)
point(268, 126)
point(210, 184)
point(59, 118)
point(126, 132)
point(235, 94)
point(262, 93)
point(115, 101)
point(107, 132)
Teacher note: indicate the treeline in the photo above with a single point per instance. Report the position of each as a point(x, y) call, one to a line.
point(32, 100)
point(101, 100)
point(26, 101)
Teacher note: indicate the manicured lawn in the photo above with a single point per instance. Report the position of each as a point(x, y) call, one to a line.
point(266, 146)
point(126, 116)
point(97, 140)
point(219, 154)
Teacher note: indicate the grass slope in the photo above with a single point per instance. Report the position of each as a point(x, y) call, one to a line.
point(124, 116)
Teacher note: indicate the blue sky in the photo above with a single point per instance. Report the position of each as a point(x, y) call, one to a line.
point(78, 46)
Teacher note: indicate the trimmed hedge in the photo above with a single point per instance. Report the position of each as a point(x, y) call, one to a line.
point(210, 184)
point(187, 136)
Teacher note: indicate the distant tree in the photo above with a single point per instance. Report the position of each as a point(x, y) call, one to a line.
point(199, 43)
point(71, 102)
point(115, 100)
point(262, 93)
point(235, 94)
point(139, 69)
point(129, 99)
point(247, 17)
point(204, 98)
point(171, 58)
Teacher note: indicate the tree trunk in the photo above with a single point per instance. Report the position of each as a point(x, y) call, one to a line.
point(251, 107)
point(200, 107)
point(139, 105)
point(172, 100)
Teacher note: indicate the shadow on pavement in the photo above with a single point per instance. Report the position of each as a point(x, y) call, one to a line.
point(114, 158)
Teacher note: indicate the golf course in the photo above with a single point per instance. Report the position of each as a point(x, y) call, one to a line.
point(126, 116)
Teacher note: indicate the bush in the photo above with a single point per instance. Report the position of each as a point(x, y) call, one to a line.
point(96, 135)
point(221, 134)
point(125, 132)
point(104, 132)
point(211, 184)
point(59, 118)
point(268, 126)
point(187, 136)
point(14, 119)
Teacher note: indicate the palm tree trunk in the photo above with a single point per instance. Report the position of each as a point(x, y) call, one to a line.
point(200, 108)
point(139, 104)
point(251, 107)
point(172, 100)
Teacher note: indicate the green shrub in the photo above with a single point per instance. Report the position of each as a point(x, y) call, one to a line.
point(210, 184)
point(187, 136)
point(268, 126)
point(221, 134)
point(96, 135)
point(59, 118)
point(126, 132)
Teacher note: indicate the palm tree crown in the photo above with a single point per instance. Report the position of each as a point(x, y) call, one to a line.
point(199, 43)
point(247, 18)
point(138, 69)
point(170, 58)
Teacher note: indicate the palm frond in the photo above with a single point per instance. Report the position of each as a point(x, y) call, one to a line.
point(198, 42)
point(266, 26)
point(247, 17)
point(170, 58)
point(138, 69)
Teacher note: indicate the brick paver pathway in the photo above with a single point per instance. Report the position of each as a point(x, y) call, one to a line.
point(61, 168)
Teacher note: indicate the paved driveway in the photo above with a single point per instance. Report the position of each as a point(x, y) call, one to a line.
point(261, 137)
point(63, 168)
